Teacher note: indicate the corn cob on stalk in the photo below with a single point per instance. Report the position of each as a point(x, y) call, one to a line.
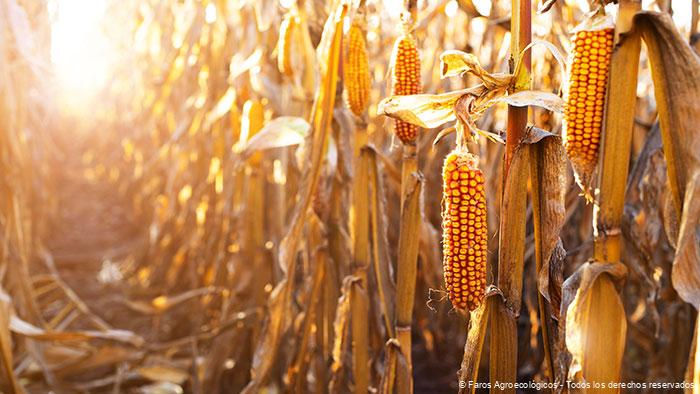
point(405, 80)
point(585, 100)
point(356, 70)
point(464, 237)
point(284, 45)
point(253, 121)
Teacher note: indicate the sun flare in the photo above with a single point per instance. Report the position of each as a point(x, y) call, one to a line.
point(80, 51)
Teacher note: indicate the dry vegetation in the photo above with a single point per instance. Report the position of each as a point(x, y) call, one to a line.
point(256, 200)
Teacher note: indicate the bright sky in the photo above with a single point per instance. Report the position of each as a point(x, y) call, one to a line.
point(81, 53)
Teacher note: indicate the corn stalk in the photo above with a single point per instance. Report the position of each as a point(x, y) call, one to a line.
point(409, 230)
point(595, 321)
point(409, 233)
point(361, 257)
point(503, 318)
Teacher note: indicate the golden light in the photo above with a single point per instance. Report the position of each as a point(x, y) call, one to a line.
point(81, 53)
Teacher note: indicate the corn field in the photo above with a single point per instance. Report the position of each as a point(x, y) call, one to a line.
point(349, 196)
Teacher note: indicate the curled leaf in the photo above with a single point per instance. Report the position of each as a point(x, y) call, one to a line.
point(595, 321)
point(468, 111)
point(534, 135)
point(278, 133)
point(443, 133)
point(595, 22)
point(222, 107)
point(525, 98)
point(545, 6)
point(455, 63)
point(26, 329)
point(523, 79)
point(686, 264)
point(424, 110)
point(468, 105)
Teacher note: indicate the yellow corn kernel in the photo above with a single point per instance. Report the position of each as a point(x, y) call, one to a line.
point(284, 45)
point(405, 80)
point(585, 99)
point(356, 71)
point(464, 230)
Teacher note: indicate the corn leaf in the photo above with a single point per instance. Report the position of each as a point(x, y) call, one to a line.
point(675, 69)
point(686, 264)
point(478, 322)
point(526, 98)
point(278, 133)
point(595, 322)
point(424, 110)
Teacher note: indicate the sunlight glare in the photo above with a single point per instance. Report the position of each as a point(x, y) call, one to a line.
point(210, 13)
point(80, 51)
point(451, 9)
point(682, 15)
point(483, 6)
point(393, 8)
point(288, 4)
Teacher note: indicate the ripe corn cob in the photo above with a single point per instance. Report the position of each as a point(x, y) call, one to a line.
point(356, 71)
point(585, 100)
point(464, 236)
point(235, 121)
point(405, 81)
point(253, 120)
point(284, 45)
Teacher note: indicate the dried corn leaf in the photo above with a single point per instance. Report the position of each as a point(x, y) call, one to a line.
point(455, 63)
point(6, 342)
point(545, 5)
point(266, 352)
point(433, 110)
point(526, 98)
point(676, 74)
point(675, 70)
point(21, 327)
point(161, 388)
point(378, 230)
point(162, 373)
point(104, 356)
point(278, 133)
point(686, 264)
point(595, 322)
point(163, 303)
point(423, 110)
point(476, 333)
point(549, 179)
point(341, 325)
